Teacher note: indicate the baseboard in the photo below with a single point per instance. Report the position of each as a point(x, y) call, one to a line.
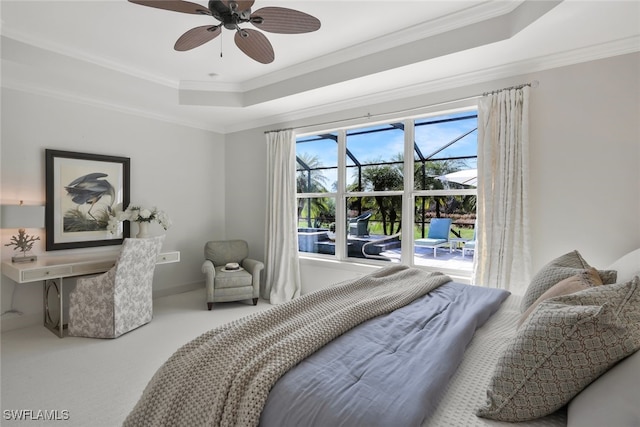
point(187, 287)
point(12, 321)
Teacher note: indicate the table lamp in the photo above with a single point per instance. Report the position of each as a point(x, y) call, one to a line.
point(22, 216)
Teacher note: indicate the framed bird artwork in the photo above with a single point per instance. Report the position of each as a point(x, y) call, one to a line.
point(82, 193)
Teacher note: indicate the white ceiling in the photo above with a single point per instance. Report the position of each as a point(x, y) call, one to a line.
point(120, 55)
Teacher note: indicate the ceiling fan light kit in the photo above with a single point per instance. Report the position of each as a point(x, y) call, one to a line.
point(233, 13)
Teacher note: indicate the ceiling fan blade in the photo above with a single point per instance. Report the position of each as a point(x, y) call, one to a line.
point(284, 20)
point(255, 45)
point(196, 37)
point(242, 4)
point(175, 5)
point(219, 9)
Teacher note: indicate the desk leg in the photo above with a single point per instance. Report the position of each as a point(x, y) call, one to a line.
point(54, 302)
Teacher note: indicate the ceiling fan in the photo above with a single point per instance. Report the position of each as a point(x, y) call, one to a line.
point(232, 13)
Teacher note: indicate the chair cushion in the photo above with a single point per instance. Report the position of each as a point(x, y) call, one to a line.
point(234, 279)
point(221, 252)
point(430, 242)
point(439, 228)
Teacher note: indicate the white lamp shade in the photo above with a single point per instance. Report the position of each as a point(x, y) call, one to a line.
point(22, 216)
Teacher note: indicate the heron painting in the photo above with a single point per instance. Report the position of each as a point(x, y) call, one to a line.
point(83, 193)
point(88, 190)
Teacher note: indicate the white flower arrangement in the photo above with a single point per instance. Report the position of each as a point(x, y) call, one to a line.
point(138, 214)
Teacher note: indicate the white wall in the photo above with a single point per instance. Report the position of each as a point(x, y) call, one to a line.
point(246, 168)
point(585, 151)
point(178, 169)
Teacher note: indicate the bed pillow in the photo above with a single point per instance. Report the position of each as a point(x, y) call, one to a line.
point(556, 270)
point(581, 281)
point(617, 391)
point(568, 342)
point(627, 266)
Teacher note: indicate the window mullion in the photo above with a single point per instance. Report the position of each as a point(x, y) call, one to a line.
point(373, 193)
point(341, 210)
point(450, 192)
point(407, 198)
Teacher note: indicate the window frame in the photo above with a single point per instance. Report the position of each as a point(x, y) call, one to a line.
point(409, 194)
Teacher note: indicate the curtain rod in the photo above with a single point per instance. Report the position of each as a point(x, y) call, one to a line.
point(369, 116)
point(533, 84)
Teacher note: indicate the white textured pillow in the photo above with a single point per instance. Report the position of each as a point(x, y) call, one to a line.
point(566, 343)
point(581, 281)
point(611, 400)
point(627, 267)
point(556, 270)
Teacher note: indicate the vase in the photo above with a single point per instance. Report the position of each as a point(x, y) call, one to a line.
point(143, 230)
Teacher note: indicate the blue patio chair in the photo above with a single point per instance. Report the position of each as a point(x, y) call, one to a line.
point(471, 244)
point(359, 226)
point(438, 235)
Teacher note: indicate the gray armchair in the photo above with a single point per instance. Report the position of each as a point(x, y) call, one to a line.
point(222, 285)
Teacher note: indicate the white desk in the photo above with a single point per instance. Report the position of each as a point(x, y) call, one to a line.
point(52, 269)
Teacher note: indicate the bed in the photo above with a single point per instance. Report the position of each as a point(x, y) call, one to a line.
point(305, 362)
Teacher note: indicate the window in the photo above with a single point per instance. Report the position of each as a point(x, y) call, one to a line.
point(355, 193)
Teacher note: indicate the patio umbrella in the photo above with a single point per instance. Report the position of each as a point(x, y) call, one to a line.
point(465, 177)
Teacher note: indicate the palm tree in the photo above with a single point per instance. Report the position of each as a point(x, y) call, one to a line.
point(385, 177)
point(310, 179)
point(425, 178)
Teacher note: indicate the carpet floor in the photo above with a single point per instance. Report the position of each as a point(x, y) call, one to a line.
point(96, 382)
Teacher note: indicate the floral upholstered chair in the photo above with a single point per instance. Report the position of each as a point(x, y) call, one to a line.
point(120, 300)
point(241, 282)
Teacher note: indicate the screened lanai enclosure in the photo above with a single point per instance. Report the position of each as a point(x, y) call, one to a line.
point(356, 191)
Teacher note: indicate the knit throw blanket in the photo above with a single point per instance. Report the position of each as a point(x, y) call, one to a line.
point(223, 377)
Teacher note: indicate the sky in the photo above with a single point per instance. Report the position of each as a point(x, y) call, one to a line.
point(386, 146)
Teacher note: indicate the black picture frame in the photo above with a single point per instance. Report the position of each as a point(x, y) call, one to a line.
point(82, 190)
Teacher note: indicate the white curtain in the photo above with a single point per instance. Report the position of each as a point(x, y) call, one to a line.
point(282, 269)
point(502, 250)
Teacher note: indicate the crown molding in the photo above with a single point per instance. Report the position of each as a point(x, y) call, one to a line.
point(88, 58)
point(471, 15)
point(531, 65)
point(459, 81)
point(352, 67)
point(452, 21)
point(117, 107)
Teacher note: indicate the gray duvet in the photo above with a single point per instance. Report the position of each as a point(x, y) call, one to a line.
point(389, 371)
point(223, 377)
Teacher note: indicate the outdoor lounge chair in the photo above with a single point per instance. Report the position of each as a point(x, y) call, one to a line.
point(468, 246)
point(373, 248)
point(471, 244)
point(438, 235)
point(359, 226)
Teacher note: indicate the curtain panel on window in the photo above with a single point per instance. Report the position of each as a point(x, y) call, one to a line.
point(282, 268)
point(503, 256)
